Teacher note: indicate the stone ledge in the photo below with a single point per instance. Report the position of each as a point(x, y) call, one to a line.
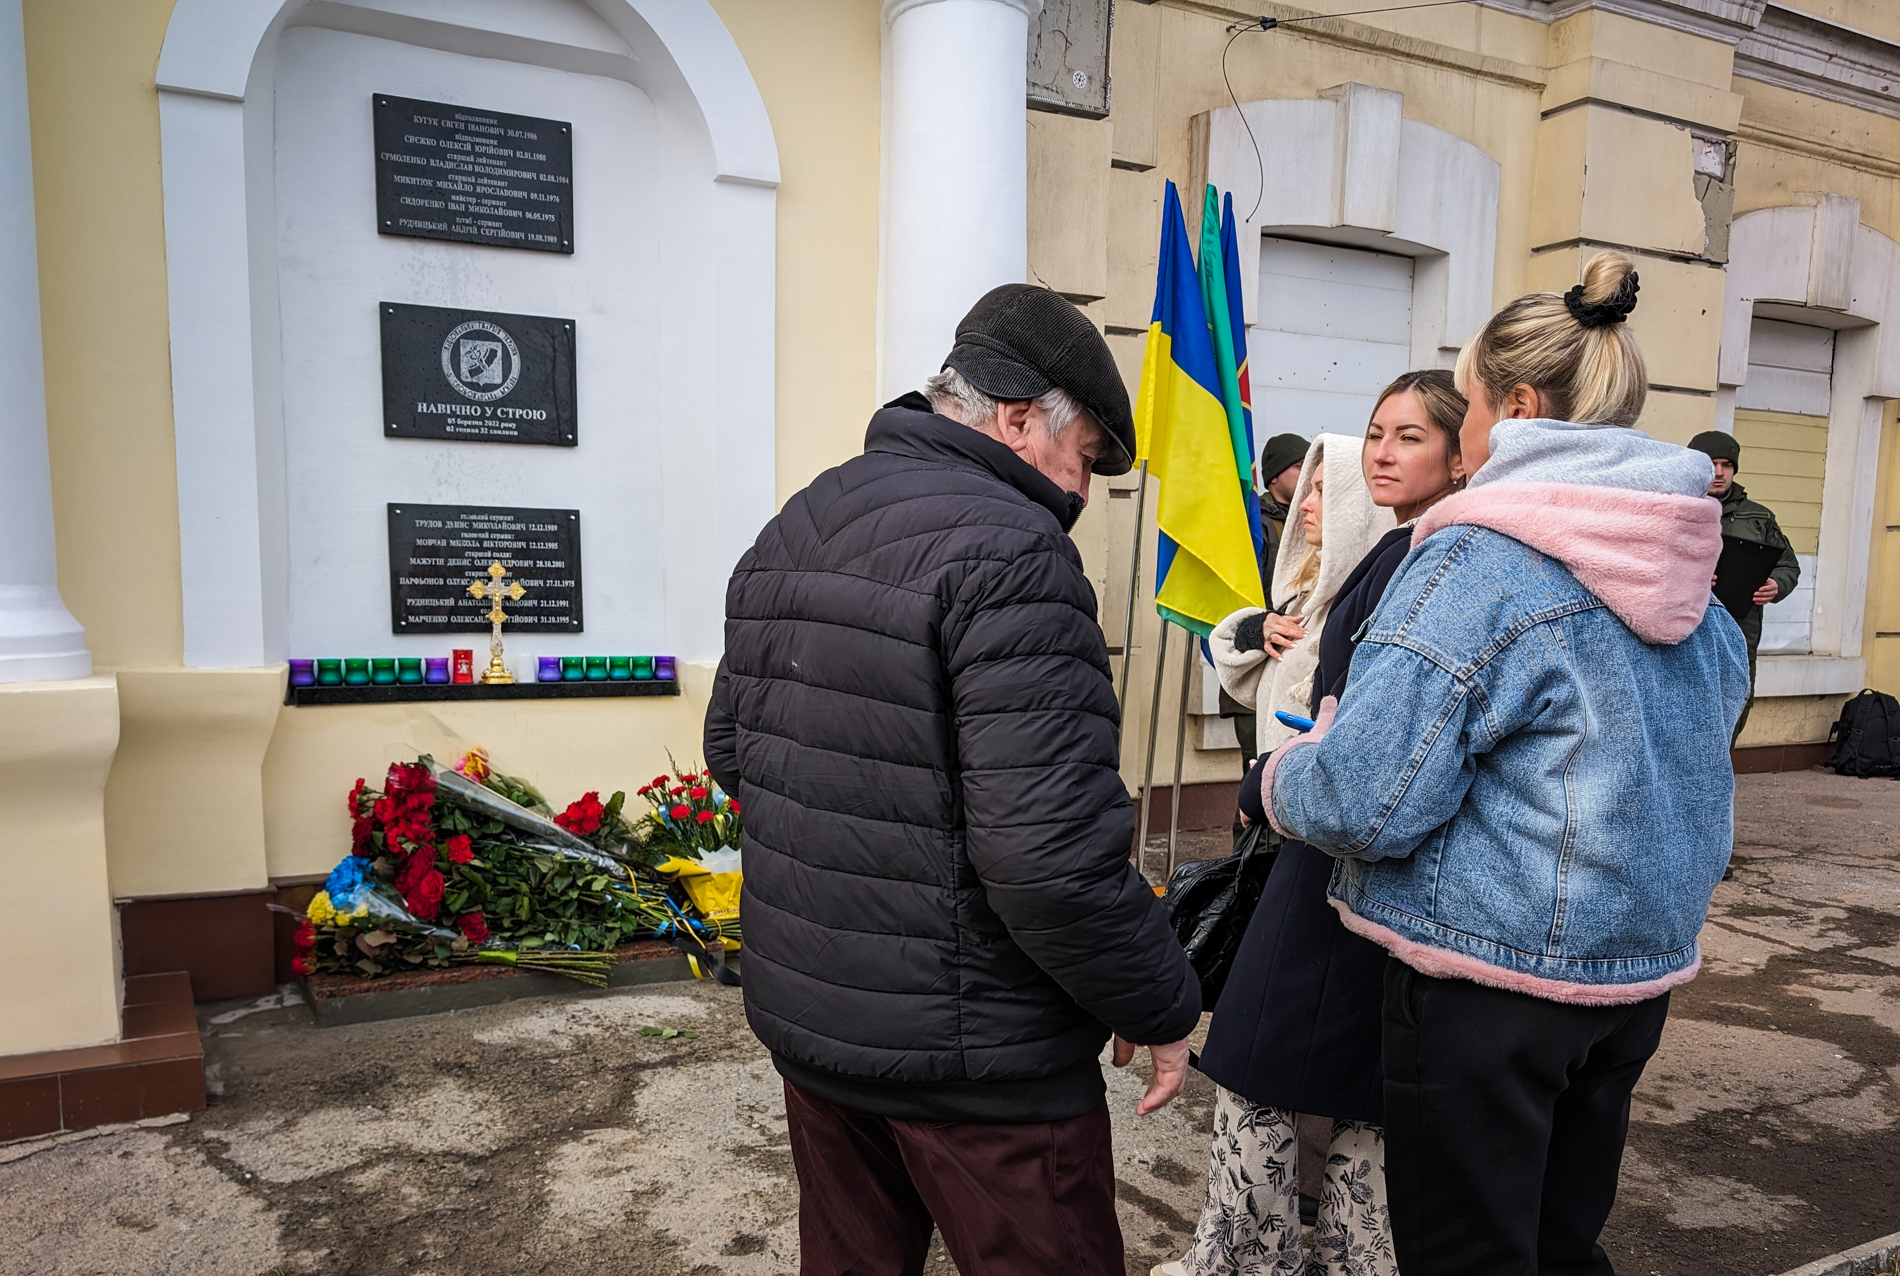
point(343, 999)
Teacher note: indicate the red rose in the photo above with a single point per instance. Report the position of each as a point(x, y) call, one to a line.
point(680, 812)
point(474, 927)
point(298, 966)
point(696, 793)
point(424, 895)
point(306, 935)
point(733, 806)
point(459, 850)
point(707, 817)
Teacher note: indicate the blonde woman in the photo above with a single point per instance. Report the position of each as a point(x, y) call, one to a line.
point(1541, 696)
point(1270, 668)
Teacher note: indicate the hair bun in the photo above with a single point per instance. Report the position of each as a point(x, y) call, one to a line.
point(1614, 308)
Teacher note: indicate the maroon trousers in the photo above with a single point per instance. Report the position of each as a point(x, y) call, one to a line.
point(1011, 1200)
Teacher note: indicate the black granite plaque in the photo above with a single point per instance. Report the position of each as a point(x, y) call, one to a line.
point(437, 551)
point(477, 376)
point(476, 177)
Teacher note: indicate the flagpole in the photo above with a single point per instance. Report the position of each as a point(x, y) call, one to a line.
point(1134, 588)
point(1180, 749)
point(1148, 768)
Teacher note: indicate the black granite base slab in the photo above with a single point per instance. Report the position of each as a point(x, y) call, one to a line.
point(399, 693)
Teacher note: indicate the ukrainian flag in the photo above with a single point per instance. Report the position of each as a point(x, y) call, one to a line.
point(1208, 566)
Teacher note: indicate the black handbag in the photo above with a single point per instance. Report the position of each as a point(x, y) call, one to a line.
point(1210, 902)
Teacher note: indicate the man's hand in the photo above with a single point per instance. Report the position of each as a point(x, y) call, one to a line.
point(1769, 591)
point(1171, 1065)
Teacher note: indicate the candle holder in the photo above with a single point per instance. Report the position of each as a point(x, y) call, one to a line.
point(463, 665)
point(329, 673)
point(620, 668)
point(666, 668)
point(356, 672)
point(642, 668)
point(436, 669)
point(573, 669)
point(548, 669)
point(303, 673)
point(596, 668)
point(382, 671)
point(409, 670)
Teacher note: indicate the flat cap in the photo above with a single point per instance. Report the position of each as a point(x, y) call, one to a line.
point(1021, 340)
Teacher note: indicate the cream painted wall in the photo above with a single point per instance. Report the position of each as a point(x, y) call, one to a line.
point(58, 932)
point(816, 65)
point(90, 68)
point(185, 804)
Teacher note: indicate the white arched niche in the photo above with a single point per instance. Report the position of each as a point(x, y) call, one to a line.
point(1347, 168)
point(1813, 263)
point(707, 459)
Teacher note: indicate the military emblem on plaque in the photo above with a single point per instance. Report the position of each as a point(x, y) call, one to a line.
point(477, 376)
point(481, 361)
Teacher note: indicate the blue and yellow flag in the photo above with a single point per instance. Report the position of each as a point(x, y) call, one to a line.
point(1209, 566)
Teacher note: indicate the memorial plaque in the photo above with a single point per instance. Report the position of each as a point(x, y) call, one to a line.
point(475, 177)
point(477, 375)
point(437, 551)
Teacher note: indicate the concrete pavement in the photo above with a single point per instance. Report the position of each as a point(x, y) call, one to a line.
point(550, 1136)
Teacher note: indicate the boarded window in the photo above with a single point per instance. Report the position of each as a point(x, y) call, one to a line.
point(1335, 328)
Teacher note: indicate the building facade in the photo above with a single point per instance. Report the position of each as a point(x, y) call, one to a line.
point(778, 210)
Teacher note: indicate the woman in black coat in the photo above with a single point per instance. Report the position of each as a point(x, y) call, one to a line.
point(1297, 1028)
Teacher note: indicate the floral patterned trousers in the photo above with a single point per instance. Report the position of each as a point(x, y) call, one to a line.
point(1250, 1225)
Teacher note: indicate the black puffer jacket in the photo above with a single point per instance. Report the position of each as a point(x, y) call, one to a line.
point(915, 708)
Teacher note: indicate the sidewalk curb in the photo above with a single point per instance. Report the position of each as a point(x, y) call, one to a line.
point(1875, 1258)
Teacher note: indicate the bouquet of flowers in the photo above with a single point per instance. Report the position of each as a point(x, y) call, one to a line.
point(696, 827)
point(451, 866)
point(690, 819)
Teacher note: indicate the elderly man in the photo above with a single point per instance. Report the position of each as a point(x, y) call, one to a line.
point(942, 927)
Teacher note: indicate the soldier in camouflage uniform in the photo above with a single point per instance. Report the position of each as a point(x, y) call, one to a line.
point(1749, 521)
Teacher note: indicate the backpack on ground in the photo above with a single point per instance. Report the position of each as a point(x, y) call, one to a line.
point(1868, 732)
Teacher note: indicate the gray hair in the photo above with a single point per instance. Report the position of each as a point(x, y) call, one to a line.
point(952, 396)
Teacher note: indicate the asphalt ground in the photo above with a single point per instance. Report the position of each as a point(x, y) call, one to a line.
point(551, 1136)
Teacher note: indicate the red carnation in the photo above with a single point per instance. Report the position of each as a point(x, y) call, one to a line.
point(424, 896)
point(474, 927)
point(733, 806)
point(707, 817)
point(697, 793)
point(681, 811)
point(459, 850)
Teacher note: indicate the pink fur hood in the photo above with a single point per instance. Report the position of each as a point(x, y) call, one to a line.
point(1648, 554)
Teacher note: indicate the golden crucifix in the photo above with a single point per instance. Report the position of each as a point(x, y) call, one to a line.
point(493, 591)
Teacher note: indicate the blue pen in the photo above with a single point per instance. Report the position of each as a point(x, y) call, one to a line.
point(1294, 720)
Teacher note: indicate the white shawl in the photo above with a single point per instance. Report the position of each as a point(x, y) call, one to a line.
point(1350, 525)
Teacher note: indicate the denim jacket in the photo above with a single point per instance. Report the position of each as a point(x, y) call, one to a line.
point(1527, 781)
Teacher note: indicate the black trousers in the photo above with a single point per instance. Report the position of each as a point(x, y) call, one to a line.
point(1505, 1116)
